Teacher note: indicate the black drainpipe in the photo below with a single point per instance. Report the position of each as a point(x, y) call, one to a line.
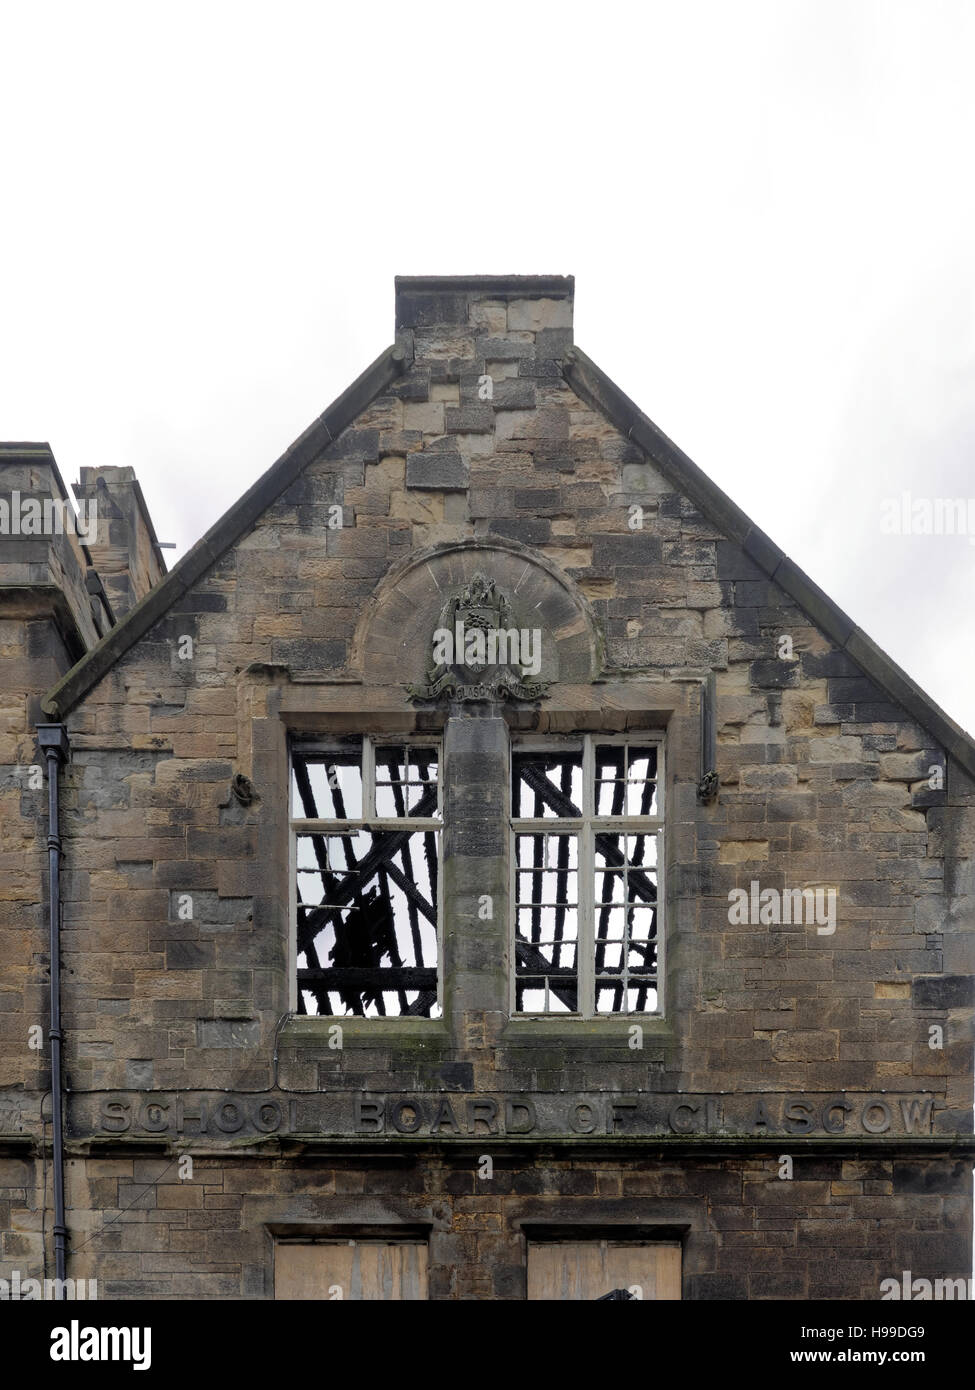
point(53, 740)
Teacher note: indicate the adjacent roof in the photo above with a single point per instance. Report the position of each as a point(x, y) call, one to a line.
point(593, 386)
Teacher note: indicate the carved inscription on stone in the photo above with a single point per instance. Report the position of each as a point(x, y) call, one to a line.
point(457, 1115)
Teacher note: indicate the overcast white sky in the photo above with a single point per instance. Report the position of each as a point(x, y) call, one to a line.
point(769, 210)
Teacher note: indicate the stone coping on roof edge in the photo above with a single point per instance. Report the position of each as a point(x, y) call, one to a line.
point(592, 385)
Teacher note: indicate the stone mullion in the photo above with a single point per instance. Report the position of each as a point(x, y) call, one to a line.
point(475, 927)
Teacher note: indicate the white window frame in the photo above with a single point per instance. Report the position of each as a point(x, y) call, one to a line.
point(586, 827)
point(368, 821)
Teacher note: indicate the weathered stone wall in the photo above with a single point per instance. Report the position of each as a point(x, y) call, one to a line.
point(47, 621)
point(834, 1232)
point(481, 455)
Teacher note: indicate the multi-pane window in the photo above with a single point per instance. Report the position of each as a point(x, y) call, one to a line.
point(587, 823)
point(365, 822)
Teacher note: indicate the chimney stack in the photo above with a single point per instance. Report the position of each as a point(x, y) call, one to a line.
point(501, 318)
point(125, 551)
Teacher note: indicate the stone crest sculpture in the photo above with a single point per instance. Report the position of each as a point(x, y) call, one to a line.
point(477, 654)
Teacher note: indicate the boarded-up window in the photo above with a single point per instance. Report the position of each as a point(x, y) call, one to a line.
point(352, 1269)
point(594, 1269)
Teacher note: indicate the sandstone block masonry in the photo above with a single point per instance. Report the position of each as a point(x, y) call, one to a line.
point(485, 442)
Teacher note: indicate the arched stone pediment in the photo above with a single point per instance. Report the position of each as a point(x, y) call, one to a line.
point(395, 640)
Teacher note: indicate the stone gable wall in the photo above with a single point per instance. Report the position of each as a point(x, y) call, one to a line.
point(822, 781)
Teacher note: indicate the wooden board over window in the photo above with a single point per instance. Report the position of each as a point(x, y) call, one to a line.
point(591, 1269)
point(352, 1269)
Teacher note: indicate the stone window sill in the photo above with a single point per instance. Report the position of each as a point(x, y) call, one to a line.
point(525, 1031)
point(361, 1032)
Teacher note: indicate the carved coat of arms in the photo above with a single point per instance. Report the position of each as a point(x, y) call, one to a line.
point(477, 654)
